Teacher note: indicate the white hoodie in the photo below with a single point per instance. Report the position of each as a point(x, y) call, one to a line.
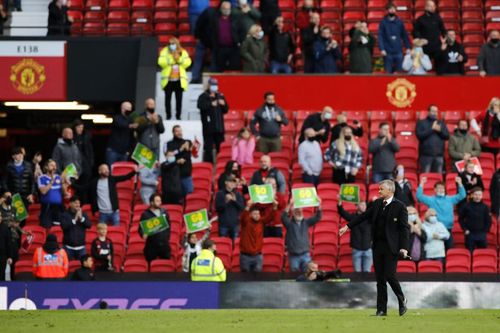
point(434, 248)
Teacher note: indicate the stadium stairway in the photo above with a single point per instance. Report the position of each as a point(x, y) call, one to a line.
point(32, 21)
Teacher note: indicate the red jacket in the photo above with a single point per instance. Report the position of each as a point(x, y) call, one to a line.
point(252, 233)
point(483, 119)
point(282, 202)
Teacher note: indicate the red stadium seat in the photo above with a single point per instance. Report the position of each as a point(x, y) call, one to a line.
point(135, 266)
point(166, 5)
point(430, 266)
point(406, 267)
point(162, 265)
point(123, 5)
point(118, 29)
point(142, 5)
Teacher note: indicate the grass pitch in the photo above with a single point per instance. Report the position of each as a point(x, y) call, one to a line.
point(255, 321)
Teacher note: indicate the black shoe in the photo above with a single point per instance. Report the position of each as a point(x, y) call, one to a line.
point(381, 314)
point(402, 307)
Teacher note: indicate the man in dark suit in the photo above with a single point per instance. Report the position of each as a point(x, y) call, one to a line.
point(390, 233)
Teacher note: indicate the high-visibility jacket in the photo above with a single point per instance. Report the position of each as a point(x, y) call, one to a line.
point(167, 61)
point(50, 266)
point(207, 267)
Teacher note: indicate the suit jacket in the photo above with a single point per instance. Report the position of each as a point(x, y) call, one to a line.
point(397, 229)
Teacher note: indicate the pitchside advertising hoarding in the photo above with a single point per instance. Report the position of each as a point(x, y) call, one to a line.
point(118, 295)
point(33, 70)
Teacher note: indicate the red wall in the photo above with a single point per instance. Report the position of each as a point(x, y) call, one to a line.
point(358, 92)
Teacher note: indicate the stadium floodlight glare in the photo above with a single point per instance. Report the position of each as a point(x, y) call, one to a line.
point(97, 118)
point(48, 105)
point(106, 120)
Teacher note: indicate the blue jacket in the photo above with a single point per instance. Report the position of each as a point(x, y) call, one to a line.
point(391, 36)
point(197, 6)
point(442, 205)
point(325, 61)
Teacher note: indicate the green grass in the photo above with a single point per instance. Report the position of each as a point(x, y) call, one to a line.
point(255, 321)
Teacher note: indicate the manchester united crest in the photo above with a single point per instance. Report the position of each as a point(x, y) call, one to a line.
point(27, 76)
point(401, 93)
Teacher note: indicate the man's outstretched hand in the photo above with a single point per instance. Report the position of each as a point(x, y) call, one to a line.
point(343, 230)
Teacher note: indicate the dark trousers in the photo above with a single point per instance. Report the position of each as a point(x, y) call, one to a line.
point(3, 265)
point(171, 87)
point(310, 179)
point(340, 177)
point(309, 63)
point(448, 244)
point(227, 58)
point(273, 232)
point(476, 241)
point(385, 263)
point(209, 141)
point(153, 251)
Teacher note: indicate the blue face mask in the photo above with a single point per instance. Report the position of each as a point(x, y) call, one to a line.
point(214, 88)
point(170, 159)
point(432, 219)
point(412, 217)
point(172, 47)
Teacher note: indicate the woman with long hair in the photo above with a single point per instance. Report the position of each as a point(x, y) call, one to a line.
point(345, 156)
point(174, 60)
point(243, 147)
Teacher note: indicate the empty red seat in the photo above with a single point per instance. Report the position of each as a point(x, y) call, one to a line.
point(406, 267)
point(165, 28)
point(484, 266)
point(166, 5)
point(162, 265)
point(118, 17)
point(123, 5)
point(135, 265)
point(95, 5)
point(92, 16)
point(142, 5)
point(430, 266)
point(353, 16)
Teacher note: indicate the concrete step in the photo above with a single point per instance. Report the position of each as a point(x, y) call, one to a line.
point(29, 19)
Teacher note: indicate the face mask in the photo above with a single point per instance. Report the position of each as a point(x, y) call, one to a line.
point(8, 201)
point(463, 131)
point(260, 35)
point(128, 113)
point(391, 15)
point(225, 12)
point(428, 12)
point(440, 194)
point(401, 172)
point(270, 105)
point(310, 139)
point(412, 217)
point(151, 110)
point(214, 88)
point(431, 117)
point(172, 47)
point(432, 219)
point(328, 116)
point(243, 2)
point(325, 38)
point(419, 50)
point(347, 138)
point(68, 141)
point(495, 40)
point(170, 159)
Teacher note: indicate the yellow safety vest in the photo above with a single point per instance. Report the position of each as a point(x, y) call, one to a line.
point(166, 61)
point(207, 267)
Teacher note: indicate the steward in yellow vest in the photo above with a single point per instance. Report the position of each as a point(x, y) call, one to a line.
point(206, 266)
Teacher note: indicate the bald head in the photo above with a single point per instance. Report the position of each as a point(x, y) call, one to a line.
point(103, 170)
point(314, 18)
point(67, 133)
point(430, 6)
point(265, 162)
point(150, 103)
point(126, 107)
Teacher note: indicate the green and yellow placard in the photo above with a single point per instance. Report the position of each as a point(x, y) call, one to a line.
point(349, 193)
point(305, 197)
point(196, 221)
point(143, 155)
point(21, 212)
point(263, 194)
point(70, 171)
point(154, 225)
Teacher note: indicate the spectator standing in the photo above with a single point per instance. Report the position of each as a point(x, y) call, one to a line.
point(66, 152)
point(320, 123)
point(416, 62)
point(102, 249)
point(252, 236)
point(174, 60)
point(326, 52)
point(488, 59)
point(452, 57)
point(270, 118)
point(18, 177)
point(120, 140)
point(275, 227)
point(182, 151)
point(384, 148)
point(243, 147)
point(229, 204)
point(442, 203)
point(281, 48)
point(436, 234)
point(487, 127)
point(345, 156)
point(59, 23)
point(495, 193)
point(74, 223)
point(150, 127)
point(104, 195)
point(310, 158)
point(297, 236)
point(206, 266)
point(85, 272)
point(404, 191)
point(149, 181)
point(49, 261)
point(37, 169)
point(304, 15)
point(462, 145)
point(157, 245)
point(195, 8)
point(83, 141)
point(254, 51)
point(309, 36)
point(268, 171)
point(213, 106)
point(203, 34)
point(247, 15)
point(225, 38)
point(418, 237)
point(361, 49)
point(475, 220)
point(51, 189)
point(270, 11)
point(192, 249)
point(432, 134)
point(171, 185)
point(3, 17)
point(392, 36)
point(232, 169)
point(430, 26)
point(470, 179)
point(361, 239)
point(357, 129)
point(5, 248)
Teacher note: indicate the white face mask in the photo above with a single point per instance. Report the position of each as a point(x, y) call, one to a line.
point(328, 116)
point(214, 88)
point(170, 159)
point(412, 217)
point(260, 34)
point(432, 219)
point(172, 47)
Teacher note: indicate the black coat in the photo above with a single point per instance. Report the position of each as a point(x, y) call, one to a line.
point(361, 236)
point(405, 194)
point(113, 194)
point(23, 183)
point(430, 142)
point(5, 241)
point(83, 274)
point(84, 144)
point(213, 29)
point(475, 217)
point(397, 229)
point(495, 193)
point(202, 29)
point(160, 239)
point(171, 187)
point(468, 185)
point(74, 234)
point(314, 121)
point(212, 117)
point(120, 139)
point(58, 23)
point(447, 62)
point(281, 45)
point(174, 145)
point(430, 27)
